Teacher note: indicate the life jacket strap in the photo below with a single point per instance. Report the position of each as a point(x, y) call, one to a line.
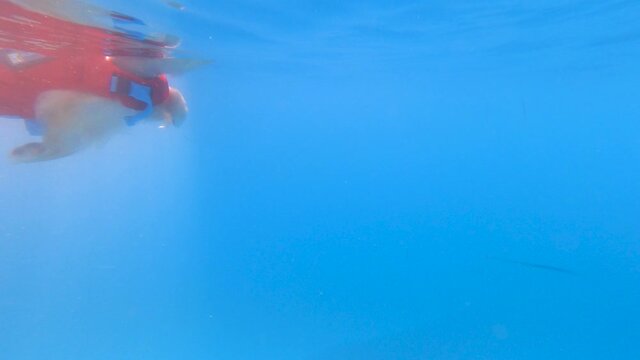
point(134, 95)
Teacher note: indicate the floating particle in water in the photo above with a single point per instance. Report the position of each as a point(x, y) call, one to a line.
point(176, 5)
point(538, 266)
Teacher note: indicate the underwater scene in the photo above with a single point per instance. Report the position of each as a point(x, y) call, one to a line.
point(322, 180)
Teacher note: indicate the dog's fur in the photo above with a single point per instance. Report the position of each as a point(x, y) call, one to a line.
point(73, 121)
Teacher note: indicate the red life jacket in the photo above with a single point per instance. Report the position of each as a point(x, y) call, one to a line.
point(97, 75)
point(70, 57)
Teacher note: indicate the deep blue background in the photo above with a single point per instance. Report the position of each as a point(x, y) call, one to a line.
point(357, 180)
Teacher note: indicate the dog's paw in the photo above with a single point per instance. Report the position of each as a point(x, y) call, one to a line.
point(29, 153)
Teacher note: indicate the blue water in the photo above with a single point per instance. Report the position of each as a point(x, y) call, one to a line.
point(356, 180)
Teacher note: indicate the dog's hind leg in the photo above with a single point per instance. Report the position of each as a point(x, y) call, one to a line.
point(72, 122)
point(38, 151)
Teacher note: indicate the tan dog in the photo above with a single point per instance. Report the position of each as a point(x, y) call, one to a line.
point(55, 73)
point(73, 121)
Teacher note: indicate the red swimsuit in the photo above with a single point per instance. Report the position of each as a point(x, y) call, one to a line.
point(73, 59)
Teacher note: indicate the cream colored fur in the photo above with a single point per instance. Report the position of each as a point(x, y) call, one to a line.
point(72, 121)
